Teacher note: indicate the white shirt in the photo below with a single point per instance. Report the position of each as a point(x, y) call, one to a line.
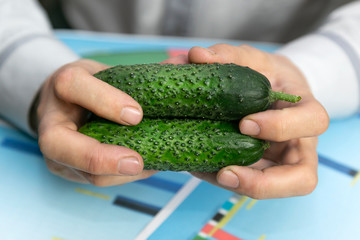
point(326, 48)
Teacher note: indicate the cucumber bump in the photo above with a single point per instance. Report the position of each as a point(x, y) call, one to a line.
point(190, 114)
point(209, 91)
point(181, 144)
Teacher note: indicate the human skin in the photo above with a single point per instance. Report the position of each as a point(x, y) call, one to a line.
point(288, 168)
point(65, 100)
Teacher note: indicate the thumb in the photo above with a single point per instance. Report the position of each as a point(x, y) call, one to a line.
point(286, 123)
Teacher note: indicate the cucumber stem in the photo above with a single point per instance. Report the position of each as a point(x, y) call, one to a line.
point(275, 96)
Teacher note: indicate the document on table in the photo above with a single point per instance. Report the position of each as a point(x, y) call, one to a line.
point(35, 204)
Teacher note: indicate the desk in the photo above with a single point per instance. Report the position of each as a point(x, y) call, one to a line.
point(38, 205)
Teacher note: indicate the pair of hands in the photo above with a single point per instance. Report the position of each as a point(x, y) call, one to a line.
point(288, 168)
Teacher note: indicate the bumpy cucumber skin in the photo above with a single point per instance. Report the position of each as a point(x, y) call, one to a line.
point(181, 144)
point(211, 91)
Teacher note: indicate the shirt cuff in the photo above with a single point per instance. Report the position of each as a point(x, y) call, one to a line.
point(329, 71)
point(24, 71)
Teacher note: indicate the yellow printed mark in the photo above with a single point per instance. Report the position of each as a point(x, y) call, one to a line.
point(56, 238)
point(93, 194)
point(355, 179)
point(229, 215)
point(251, 204)
point(262, 237)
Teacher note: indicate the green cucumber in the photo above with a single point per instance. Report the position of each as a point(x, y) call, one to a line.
point(181, 144)
point(211, 91)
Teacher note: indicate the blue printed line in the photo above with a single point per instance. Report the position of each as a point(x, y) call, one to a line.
point(161, 184)
point(337, 166)
point(136, 205)
point(22, 146)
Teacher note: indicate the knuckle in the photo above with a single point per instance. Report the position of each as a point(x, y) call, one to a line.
point(255, 58)
point(94, 160)
point(222, 45)
point(310, 182)
point(251, 51)
point(254, 190)
point(53, 168)
point(323, 121)
point(279, 131)
point(223, 49)
point(96, 180)
point(40, 110)
point(63, 81)
point(247, 48)
point(42, 140)
point(45, 139)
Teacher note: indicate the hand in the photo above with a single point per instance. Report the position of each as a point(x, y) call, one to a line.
point(289, 166)
point(64, 102)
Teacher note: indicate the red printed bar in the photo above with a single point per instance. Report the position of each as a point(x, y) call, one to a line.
point(218, 234)
point(207, 228)
point(222, 235)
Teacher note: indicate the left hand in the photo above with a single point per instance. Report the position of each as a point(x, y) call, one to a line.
point(289, 166)
point(65, 100)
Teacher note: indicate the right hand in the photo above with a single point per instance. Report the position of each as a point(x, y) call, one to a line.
point(289, 166)
point(64, 102)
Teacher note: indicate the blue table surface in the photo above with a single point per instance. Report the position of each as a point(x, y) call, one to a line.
point(38, 205)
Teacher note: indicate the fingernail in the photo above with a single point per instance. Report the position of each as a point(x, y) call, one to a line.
point(130, 115)
point(249, 127)
point(129, 166)
point(228, 179)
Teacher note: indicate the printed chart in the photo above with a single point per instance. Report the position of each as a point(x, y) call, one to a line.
point(44, 206)
point(330, 212)
point(39, 205)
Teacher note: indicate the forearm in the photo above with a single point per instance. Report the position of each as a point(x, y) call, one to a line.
point(330, 59)
point(29, 53)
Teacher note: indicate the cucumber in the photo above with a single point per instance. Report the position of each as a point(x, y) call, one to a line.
point(211, 91)
point(181, 144)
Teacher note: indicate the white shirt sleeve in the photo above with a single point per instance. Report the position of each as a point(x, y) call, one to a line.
point(330, 60)
point(29, 53)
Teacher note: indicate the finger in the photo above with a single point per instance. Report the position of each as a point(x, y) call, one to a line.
point(180, 59)
point(76, 85)
point(274, 182)
point(277, 181)
point(211, 177)
point(65, 172)
point(74, 175)
point(243, 55)
point(91, 66)
point(62, 143)
point(106, 181)
point(263, 163)
point(286, 153)
point(305, 119)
